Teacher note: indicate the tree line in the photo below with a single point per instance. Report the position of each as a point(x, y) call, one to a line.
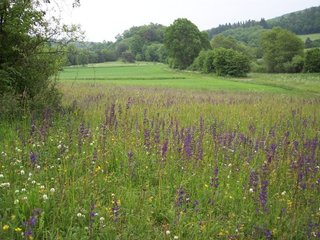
point(143, 43)
point(301, 22)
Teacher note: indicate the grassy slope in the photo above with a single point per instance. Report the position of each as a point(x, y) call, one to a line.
point(313, 37)
point(159, 75)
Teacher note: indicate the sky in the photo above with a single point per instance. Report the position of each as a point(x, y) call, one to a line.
point(102, 20)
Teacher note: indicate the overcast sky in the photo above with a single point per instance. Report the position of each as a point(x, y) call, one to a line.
point(104, 19)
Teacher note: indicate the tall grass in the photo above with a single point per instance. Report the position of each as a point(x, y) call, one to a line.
point(147, 163)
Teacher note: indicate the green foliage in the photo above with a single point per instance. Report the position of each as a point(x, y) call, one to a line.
point(27, 61)
point(183, 42)
point(301, 22)
point(312, 60)
point(155, 52)
point(312, 43)
point(204, 62)
point(224, 62)
point(228, 62)
point(258, 66)
point(279, 47)
point(228, 27)
point(295, 65)
point(250, 36)
point(84, 53)
point(128, 57)
point(145, 43)
point(228, 42)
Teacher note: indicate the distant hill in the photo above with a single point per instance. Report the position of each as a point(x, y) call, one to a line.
point(301, 22)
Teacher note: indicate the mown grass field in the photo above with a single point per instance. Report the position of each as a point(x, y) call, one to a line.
point(145, 152)
point(160, 75)
point(312, 37)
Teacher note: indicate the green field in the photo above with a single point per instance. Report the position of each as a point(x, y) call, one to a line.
point(160, 75)
point(312, 37)
point(141, 151)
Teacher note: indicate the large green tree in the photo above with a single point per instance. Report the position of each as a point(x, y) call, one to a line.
point(279, 47)
point(29, 55)
point(183, 42)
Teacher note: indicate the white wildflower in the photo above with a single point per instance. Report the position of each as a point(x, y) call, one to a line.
point(168, 232)
point(6, 184)
point(52, 190)
point(45, 197)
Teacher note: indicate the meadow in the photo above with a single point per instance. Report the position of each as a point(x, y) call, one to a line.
point(145, 152)
point(312, 37)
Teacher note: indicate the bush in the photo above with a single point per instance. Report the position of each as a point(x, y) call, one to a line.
point(258, 66)
point(312, 60)
point(128, 56)
point(208, 64)
point(198, 63)
point(228, 62)
point(223, 62)
point(295, 66)
point(9, 106)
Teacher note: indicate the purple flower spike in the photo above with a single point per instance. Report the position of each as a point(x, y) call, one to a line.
point(33, 158)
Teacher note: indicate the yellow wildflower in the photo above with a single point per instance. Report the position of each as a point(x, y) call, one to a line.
point(18, 229)
point(5, 227)
point(98, 169)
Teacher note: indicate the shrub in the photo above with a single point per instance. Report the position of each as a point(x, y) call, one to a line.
point(312, 60)
point(228, 62)
point(295, 66)
point(197, 64)
point(128, 56)
point(258, 66)
point(208, 64)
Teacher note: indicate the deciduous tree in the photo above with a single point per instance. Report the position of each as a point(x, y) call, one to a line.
point(279, 47)
point(29, 54)
point(184, 41)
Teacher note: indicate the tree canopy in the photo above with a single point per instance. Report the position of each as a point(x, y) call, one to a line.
point(183, 42)
point(29, 56)
point(279, 47)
